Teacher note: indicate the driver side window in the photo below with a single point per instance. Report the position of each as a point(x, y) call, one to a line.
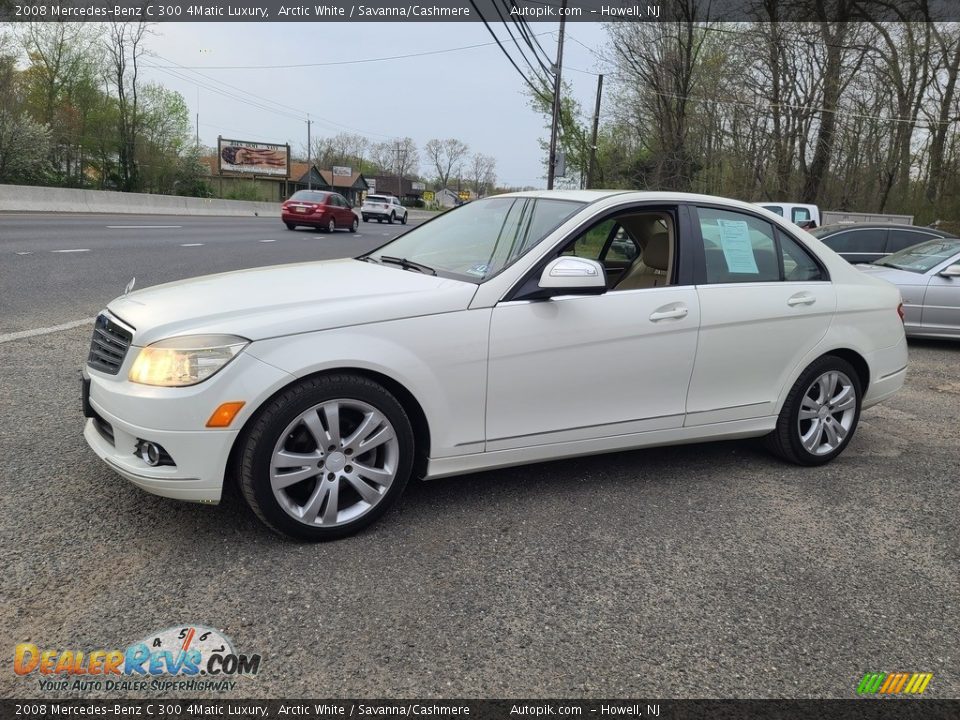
point(635, 247)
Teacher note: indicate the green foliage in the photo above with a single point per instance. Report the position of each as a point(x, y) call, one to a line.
point(244, 191)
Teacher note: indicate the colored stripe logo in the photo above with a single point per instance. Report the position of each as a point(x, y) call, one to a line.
point(894, 683)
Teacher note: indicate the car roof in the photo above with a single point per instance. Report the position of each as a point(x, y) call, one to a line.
point(837, 227)
point(591, 196)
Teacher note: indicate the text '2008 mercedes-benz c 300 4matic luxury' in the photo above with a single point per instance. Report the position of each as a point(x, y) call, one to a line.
point(515, 329)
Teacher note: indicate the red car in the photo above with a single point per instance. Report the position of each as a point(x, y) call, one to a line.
point(315, 208)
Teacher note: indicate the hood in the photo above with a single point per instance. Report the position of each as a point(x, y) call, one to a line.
point(892, 275)
point(287, 299)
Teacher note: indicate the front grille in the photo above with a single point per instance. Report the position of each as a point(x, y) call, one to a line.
point(109, 345)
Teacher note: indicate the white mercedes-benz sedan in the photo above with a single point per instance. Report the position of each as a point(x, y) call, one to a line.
point(515, 329)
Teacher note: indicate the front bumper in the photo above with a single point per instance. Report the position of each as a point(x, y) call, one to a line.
point(175, 419)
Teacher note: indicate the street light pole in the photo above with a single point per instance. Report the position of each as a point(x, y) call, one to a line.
point(556, 101)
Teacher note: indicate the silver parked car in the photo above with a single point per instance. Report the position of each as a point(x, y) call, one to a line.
point(928, 276)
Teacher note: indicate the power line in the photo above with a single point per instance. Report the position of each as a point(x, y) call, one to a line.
point(338, 62)
point(538, 92)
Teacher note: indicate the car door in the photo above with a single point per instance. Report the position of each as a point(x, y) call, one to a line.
point(902, 238)
point(765, 302)
point(580, 367)
point(941, 302)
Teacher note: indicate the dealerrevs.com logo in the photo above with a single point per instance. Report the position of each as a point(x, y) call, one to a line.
point(187, 657)
point(894, 683)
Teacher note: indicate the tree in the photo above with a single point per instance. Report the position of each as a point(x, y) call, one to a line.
point(24, 145)
point(124, 48)
point(396, 157)
point(482, 171)
point(346, 149)
point(445, 156)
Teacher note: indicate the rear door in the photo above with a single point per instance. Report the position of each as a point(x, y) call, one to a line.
point(765, 302)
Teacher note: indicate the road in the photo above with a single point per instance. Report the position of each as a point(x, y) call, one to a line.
point(710, 570)
point(67, 267)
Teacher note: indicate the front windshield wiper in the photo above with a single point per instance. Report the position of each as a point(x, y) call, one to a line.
point(408, 264)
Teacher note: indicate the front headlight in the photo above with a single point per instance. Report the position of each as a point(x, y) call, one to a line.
point(187, 360)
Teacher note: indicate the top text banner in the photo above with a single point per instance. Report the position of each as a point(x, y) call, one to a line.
point(493, 11)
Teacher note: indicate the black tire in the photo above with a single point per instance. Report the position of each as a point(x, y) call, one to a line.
point(391, 218)
point(379, 219)
point(366, 219)
point(290, 226)
point(403, 220)
point(354, 225)
point(263, 433)
point(785, 440)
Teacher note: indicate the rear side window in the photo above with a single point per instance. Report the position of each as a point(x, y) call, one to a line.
point(869, 240)
point(902, 239)
point(798, 265)
point(738, 247)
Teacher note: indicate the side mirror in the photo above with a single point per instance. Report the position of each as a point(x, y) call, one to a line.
point(569, 275)
point(951, 271)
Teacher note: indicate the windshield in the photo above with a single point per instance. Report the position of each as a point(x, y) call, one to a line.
point(479, 239)
point(923, 257)
point(309, 196)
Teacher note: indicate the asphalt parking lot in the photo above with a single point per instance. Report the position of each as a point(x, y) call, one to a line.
point(709, 570)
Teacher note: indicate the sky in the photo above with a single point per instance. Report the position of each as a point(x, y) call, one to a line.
point(474, 95)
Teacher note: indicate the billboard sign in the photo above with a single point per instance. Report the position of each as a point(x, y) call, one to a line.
point(249, 158)
point(342, 170)
point(417, 186)
point(372, 184)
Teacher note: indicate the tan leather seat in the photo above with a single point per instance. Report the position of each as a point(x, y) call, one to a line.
point(650, 269)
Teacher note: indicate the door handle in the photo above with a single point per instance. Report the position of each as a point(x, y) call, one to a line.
point(669, 313)
point(801, 299)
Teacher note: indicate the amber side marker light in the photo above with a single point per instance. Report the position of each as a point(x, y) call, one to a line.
point(224, 415)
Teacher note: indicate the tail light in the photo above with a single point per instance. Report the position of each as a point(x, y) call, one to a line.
point(900, 312)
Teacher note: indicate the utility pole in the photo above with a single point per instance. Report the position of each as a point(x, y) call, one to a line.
point(399, 181)
point(556, 100)
point(309, 159)
point(593, 137)
point(198, 118)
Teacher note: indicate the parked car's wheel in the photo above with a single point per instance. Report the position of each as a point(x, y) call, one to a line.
point(290, 226)
point(354, 225)
point(820, 414)
point(391, 218)
point(403, 220)
point(326, 457)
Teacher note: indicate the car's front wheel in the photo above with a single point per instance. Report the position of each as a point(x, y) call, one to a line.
point(820, 414)
point(326, 457)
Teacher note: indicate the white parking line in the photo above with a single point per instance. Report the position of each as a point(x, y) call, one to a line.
point(72, 250)
point(268, 241)
point(44, 331)
point(190, 244)
point(141, 227)
point(28, 252)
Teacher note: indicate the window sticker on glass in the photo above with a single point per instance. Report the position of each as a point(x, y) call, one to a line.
point(737, 249)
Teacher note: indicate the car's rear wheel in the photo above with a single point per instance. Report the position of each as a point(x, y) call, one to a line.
point(379, 219)
point(366, 219)
point(403, 220)
point(326, 457)
point(820, 414)
point(290, 226)
point(354, 225)
point(391, 218)
point(331, 225)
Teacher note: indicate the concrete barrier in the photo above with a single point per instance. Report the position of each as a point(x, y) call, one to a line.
point(25, 198)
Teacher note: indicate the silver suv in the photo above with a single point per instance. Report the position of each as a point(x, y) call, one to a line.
point(383, 207)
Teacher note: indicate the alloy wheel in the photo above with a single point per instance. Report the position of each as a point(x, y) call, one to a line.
point(827, 412)
point(334, 463)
